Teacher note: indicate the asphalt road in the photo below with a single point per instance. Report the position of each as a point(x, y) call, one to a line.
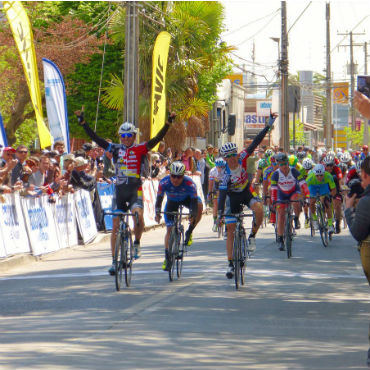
point(309, 312)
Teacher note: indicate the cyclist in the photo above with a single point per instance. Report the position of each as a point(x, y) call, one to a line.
point(179, 189)
point(320, 182)
point(127, 159)
point(307, 165)
point(335, 171)
point(236, 188)
point(215, 175)
point(286, 184)
point(267, 173)
point(301, 156)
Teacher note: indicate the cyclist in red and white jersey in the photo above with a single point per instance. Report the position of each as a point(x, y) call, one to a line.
point(127, 158)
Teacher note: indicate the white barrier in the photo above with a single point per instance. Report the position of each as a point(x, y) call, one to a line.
point(85, 216)
point(12, 227)
point(40, 225)
point(43, 227)
point(65, 217)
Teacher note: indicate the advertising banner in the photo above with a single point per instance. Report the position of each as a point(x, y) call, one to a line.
point(149, 197)
point(340, 115)
point(105, 193)
point(56, 103)
point(40, 225)
point(85, 216)
point(65, 219)
point(158, 99)
point(3, 140)
point(340, 92)
point(251, 120)
point(263, 108)
point(23, 37)
point(12, 228)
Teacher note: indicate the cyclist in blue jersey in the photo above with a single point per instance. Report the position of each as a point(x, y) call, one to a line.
point(180, 190)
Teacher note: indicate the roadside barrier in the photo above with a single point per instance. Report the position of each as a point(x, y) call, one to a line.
point(33, 225)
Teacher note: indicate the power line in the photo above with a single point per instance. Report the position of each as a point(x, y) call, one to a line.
point(299, 16)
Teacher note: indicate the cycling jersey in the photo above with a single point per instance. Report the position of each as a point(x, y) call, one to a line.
point(267, 173)
point(127, 160)
point(317, 187)
point(216, 175)
point(283, 187)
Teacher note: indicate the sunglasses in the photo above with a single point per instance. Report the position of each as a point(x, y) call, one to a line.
point(283, 164)
point(231, 155)
point(128, 135)
point(177, 176)
point(22, 151)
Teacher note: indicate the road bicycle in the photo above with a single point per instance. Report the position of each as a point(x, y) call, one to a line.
point(241, 250)
point(289, 231)
point(123, 247)
point(321, 220)
point(176, 245)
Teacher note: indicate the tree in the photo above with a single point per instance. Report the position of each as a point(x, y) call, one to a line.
point(66, 42)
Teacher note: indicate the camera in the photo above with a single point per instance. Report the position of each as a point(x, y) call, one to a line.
point(355, 188)
point(363, 85)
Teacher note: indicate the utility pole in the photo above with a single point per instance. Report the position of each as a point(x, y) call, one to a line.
point(284, 79)
point(352, 71)
point(131, 80)
point(328, 128)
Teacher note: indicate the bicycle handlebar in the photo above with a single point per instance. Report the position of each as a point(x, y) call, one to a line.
point(236, 215)
point(122, 214)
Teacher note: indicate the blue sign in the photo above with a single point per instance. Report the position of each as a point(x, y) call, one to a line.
point(105, 192)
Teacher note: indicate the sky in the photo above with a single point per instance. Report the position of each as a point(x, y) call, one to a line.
point(251, 21)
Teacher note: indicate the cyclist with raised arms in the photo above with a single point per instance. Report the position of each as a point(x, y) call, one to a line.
point(320, 182)
point(215, 175)
point(180, 190)
point(127, 158)
point(236, 190)
point(286, 184)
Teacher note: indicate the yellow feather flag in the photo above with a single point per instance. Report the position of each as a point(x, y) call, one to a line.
point(158, 106)
point(23, 37)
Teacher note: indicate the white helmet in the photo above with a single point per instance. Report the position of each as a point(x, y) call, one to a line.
point(177, 168)
point(219, 162)
point(340, 156)
point(228, 148)
point(307, 164)
point(331, 153)
point(319, 169)
point(127, 128)
point(328, 160)
point(346, 157)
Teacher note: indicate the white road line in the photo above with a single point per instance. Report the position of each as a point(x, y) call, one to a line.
point(304, 275)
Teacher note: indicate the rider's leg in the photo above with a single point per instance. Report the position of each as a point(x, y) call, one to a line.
point(138, 228)
point(230, 227)
point(281, 219)
point(257, 208)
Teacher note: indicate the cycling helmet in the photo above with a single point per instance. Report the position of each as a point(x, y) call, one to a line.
point(340, 156)
point(307, 164)
point(319, 169)
point(262, 164)
point(331, 153)
point(177, 168)
point(343, 167)
point(365, 147)
point(301, 155)
point(273, 159)
point(269, 153)
point(358, 165)
point(219, 162)
point(293, 160)
point(346, 158)
point(282, 157)
point(127, 128)
point(228, 148)
point(328, 160)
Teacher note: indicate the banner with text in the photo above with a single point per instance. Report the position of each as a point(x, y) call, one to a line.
point(85, 216)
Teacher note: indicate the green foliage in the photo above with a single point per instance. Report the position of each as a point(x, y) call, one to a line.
point(26, 133)
point(355, 137)
point(299, 132)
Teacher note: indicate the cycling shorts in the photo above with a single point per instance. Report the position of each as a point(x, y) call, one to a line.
point(172, 206)
point(321, 189)
point(127, 197)
point(235, 201)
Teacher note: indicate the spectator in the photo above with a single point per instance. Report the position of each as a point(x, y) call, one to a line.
point(108, 169)
point(200, 165)
point(20, 171)
point(161, 150)
point(79, 178)
point(252, 166)
point(187, 159)
point(169, 155)
point(362, 104)
point(38, 178)
point(8, 162)
point(155, 164)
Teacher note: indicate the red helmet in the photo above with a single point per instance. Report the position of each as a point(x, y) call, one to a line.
point(365, 147)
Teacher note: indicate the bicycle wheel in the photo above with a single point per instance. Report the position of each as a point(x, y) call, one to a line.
point(322, 226)
point(171, 253)
point(276, 223)
point(288, 234)
point(236, 258)
point(180, 253)
point(128, 258)
point(243, 257)
point(312, 227)
point(118, 255)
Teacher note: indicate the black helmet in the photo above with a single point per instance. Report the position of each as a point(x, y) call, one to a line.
point(282, 157)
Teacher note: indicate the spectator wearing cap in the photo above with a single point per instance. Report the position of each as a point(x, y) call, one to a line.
point(20, 171)
point(79, 178)
point(33, 163)
point(8, 162)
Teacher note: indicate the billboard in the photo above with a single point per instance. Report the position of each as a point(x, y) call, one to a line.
point(340, 92)
point(236, 78)
point(263, 108)
point(340, 115)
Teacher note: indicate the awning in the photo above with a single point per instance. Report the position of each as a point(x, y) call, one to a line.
point(310, 126)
